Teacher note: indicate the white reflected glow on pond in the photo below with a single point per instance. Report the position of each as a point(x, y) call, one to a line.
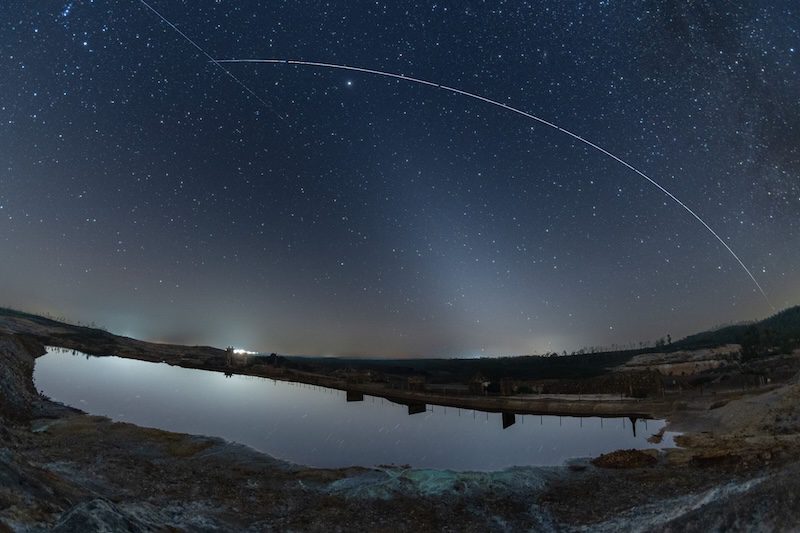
point(316, 426)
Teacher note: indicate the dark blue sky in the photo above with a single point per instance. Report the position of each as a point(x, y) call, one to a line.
point(143, 189)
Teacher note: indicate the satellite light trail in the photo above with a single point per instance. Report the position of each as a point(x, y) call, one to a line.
point(250, 91)
point(219, 63)
point(507, 107)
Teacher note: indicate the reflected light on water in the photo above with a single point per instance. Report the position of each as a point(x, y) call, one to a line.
point(323, 427)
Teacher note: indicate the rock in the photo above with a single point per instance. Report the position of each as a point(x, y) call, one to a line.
point(98, 516)
point(718, 459)
point(27, 493)
point(625, 459)
point(17, 393)
point(656, 438)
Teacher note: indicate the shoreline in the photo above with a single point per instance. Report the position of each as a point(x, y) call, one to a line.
point(366, 432)
point(103, 344)
point(738, 467)
point(549, 404)
point(632, 408)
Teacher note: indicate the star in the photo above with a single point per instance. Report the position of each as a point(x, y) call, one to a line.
point(145, 162)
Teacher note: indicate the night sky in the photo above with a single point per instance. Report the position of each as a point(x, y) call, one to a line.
point(344, 213)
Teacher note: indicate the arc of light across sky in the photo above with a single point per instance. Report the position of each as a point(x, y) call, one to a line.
point(524, 114)
point(250, 91)
point(219, 64)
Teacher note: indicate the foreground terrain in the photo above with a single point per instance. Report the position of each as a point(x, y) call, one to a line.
point(62, 470)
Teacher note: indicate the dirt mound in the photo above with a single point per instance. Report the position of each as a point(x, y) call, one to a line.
point(718, 459)
point(625, 459)
point(17, 392)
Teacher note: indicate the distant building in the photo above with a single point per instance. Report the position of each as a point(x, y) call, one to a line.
point(354, 376)
point(507, 387)
point(502, 387)
point(416, 383)
point(478, 384)
point(234, 358)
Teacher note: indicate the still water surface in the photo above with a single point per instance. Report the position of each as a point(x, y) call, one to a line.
point(317, 426)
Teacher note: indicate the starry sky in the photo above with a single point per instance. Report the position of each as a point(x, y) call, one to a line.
point(331, 212)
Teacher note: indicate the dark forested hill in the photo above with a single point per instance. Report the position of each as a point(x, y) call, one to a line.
point(781, 331)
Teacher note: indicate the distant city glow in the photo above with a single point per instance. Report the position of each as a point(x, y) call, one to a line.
point(329, 211)
point(243, 351)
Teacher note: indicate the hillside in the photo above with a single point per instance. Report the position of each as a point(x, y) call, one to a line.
point(99, 342)
point(778, 333)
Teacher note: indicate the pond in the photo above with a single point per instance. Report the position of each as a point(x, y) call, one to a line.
point(318, 426)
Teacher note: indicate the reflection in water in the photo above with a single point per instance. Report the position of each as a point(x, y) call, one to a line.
point(323, 427)
point(417, 408)
point(354, 396)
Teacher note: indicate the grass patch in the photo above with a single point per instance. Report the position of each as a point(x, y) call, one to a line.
point(99, 428)
point(175, 444)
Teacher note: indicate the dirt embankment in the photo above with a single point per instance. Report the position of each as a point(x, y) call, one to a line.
point(62, 470)
point(98, 342)
point(101, 343)
point(738, 468)
point(17, 393)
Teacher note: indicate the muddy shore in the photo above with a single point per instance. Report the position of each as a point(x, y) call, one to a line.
point(101, 343)
point(63, 470)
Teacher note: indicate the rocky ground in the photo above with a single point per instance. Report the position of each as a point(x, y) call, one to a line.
point(62, 470)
